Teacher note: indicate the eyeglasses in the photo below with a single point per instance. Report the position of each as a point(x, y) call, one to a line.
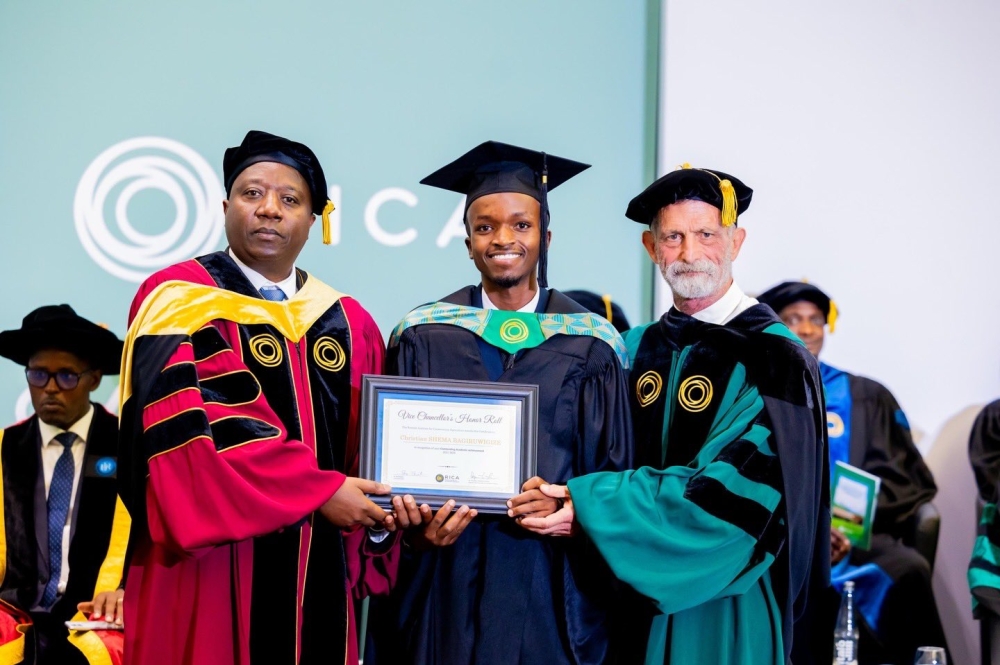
point(65, 379)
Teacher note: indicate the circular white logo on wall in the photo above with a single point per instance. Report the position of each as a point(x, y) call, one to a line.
point(129, 167)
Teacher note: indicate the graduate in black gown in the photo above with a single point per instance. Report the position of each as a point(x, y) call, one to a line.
point(499, 594)
point(868, 430)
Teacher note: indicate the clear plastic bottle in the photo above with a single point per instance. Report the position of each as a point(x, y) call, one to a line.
point(845, 635)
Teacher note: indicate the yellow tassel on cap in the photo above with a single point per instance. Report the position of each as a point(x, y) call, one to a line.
point(728, 203)
point(728, 196)
point(831, 319)
point(607, 305)
point(327, 234)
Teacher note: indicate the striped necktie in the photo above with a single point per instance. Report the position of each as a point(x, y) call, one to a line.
point(273, 293)
point(60, 490)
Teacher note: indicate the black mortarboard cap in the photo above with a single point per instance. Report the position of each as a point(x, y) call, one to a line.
point(781, 296)
point(685, 183)
point(260, 146)
point(493, 167)
point(602, 305)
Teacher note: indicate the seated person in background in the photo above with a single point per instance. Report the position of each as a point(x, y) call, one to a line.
point(984, 454)
point(868, 430)
point(59, 469)
point(602, 305)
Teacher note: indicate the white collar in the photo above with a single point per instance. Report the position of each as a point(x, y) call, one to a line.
point(81, 428)
point(287, 285)
point(726, 308)
point(530, 307)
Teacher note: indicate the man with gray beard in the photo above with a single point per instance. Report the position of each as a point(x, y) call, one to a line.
point(724, 525)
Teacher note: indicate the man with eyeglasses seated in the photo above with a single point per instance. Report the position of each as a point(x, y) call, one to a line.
point(59, 484)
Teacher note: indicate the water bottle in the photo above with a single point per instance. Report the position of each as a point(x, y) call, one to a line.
point(930, 656)
point(845, 635)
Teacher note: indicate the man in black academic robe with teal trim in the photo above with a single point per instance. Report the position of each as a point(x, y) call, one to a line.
point(499, 594)
point(723, 526)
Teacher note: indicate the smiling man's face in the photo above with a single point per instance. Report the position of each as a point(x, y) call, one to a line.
point(504, 239)
point(268, 217)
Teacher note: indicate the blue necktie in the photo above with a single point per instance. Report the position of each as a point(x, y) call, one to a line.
point(273, 293)
point(60, 490)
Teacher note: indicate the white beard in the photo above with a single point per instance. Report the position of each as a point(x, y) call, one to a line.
point(699, 279)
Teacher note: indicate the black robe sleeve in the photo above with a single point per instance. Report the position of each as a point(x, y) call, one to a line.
point(984, 450)
point(890, 454)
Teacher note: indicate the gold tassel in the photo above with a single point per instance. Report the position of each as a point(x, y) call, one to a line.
point(607, 305)
point(685, 165)
point(831, 319)
point(327, 234)
point(728, 203)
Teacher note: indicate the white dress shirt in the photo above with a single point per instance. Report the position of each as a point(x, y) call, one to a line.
point(52, 450)
point(530, 307)
point(287, 285)
point(726, 308)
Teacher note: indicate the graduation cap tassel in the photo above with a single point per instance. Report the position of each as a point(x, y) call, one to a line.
point(728, 202)
point(327, 231)
point(831, 318)
point(543, 255)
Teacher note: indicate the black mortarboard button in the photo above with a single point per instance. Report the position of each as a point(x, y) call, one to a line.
point(685, 183)
point(260, 146)
point(493, 167)
point(781, 296)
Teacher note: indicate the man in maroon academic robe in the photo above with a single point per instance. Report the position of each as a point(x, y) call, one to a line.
point(240, 397)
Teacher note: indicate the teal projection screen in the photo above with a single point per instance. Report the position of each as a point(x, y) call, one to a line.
point(114, 117)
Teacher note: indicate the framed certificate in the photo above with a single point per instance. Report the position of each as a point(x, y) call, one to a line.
point(437, 439)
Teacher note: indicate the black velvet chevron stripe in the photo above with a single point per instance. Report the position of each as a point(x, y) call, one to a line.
point(982, 564)
point(229, 432)
point(207, 342)
point(175, 431)
point(238, 387)
point(991, 531)
point(752, 464)
point(172, 379)
point(715, 498)
point(775, 534)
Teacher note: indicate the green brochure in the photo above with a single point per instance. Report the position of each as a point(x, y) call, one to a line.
point(855, 495)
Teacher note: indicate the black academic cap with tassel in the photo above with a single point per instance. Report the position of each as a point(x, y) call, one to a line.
point(493, 167)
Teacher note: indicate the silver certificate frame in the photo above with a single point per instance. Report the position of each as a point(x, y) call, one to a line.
point(439, 439)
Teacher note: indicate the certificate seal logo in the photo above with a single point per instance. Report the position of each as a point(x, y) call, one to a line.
point(266, 350)
point(648, 388)
point(329, 354)
point(513, 331)
point(834, 425)
point(108, 185)
point(695, 393)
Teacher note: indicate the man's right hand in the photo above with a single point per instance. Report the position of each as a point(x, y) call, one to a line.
point(840, 546)
point(106, 606)
point(350, 507)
